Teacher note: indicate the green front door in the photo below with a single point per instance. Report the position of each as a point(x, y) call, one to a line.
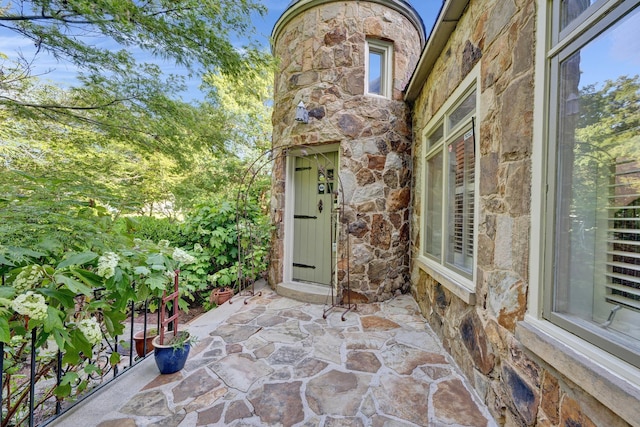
point(315, 184)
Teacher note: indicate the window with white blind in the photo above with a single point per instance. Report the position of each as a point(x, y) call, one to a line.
point(622, 287)
point(593, 253)
point(450, 165)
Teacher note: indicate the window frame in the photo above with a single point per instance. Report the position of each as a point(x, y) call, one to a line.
point(460, 282)
point(385, 49)
point(572, 357)
point(560, 45)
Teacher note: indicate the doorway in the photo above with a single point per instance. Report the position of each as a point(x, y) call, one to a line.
point(315, 183)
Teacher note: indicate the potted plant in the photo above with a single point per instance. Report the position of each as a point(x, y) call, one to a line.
point(171, 347)
point(221, 295)
point(172, 355)
point(144, 341)
point(222, 279)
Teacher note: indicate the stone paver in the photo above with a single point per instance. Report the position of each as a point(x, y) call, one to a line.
point(278, 362)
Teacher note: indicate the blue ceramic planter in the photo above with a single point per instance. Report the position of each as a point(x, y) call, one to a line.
point(170, 359)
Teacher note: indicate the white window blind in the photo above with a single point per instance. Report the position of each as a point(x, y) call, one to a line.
point(623, 255)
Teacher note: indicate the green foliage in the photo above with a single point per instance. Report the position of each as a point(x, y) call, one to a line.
point(70, 301)
point(222, 236)
point(193, 34)
point(154, 229)
point(84, 170)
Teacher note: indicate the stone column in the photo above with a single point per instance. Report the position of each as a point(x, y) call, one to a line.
point(322, 63)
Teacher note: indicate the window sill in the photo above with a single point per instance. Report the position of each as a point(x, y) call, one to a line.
point(446, 279)
point(376, 96)
point(609, 380)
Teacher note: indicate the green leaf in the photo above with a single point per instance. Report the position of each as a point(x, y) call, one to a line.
point(69, 378)
point(7, 292)
point(158, 282)
point(89, 278)
point(113, 320)
point(62, 391)
point(115, 358)
point(61, 337)
point(64, 296)
point(53, 320)
point(5, 261)
point(78, 259)
point(141, 270)
point(156, 259)
point(73, 285)
point(80, 343)
point(91, 369)
point(5, 332)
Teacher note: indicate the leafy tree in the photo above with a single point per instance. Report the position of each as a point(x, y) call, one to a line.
point(116, 93)
point(609, 119)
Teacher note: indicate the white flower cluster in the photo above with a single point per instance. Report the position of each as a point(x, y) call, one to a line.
point(29, 278)
point(107, 264)
point(181, 256)
point(170, 274)
point(30, 304)
point(90, 328)
point(164, 243)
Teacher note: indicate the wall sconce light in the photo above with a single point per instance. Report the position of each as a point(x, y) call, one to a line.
point(302, 115)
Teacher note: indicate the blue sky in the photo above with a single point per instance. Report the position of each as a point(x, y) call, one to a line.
point(48, 69)
point(428, 10)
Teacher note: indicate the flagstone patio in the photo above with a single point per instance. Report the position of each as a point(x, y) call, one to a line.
point(277, 362)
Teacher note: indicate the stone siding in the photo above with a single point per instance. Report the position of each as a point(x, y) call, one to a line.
point(321, 62)
point(520, 390)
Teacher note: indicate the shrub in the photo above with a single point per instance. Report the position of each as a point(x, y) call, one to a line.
point(211, 235)
point(154, 229)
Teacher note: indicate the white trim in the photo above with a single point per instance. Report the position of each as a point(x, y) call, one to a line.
point(385, 49)
point(538, 163)
point(611, 381)
point(289, 203)
point(595, 370)
point(599, 356)
point(460, 285)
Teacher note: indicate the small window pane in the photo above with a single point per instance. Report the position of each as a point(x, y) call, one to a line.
point(467, 107)
point(571, 9)
point(433, 237)
point(461, 202)
point(376, 61)
point(435, 137)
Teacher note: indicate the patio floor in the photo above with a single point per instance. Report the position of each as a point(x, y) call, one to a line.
point(276, 362)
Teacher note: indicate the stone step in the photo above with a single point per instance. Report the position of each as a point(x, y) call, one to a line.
point(305, 292)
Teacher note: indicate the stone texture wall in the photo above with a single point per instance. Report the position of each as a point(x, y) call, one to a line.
point(321, 54)
point(519, 389)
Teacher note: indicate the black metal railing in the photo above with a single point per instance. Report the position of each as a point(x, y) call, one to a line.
point(39, 385)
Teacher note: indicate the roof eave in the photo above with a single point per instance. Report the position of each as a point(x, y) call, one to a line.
point(446, 23)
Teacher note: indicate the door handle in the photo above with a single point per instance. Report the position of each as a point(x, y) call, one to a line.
point(320, 206)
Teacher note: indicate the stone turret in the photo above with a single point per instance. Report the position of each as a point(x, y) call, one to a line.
point(325, 49)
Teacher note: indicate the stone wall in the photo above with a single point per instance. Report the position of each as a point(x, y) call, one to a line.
point(521, 390)
point(321, 53)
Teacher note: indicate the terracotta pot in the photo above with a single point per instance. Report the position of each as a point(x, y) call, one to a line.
point(221, 295)
point(139, 340)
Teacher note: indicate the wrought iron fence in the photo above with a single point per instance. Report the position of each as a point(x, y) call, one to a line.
point(39, 384)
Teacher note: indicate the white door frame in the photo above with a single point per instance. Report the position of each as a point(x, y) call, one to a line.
point(289, 203)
